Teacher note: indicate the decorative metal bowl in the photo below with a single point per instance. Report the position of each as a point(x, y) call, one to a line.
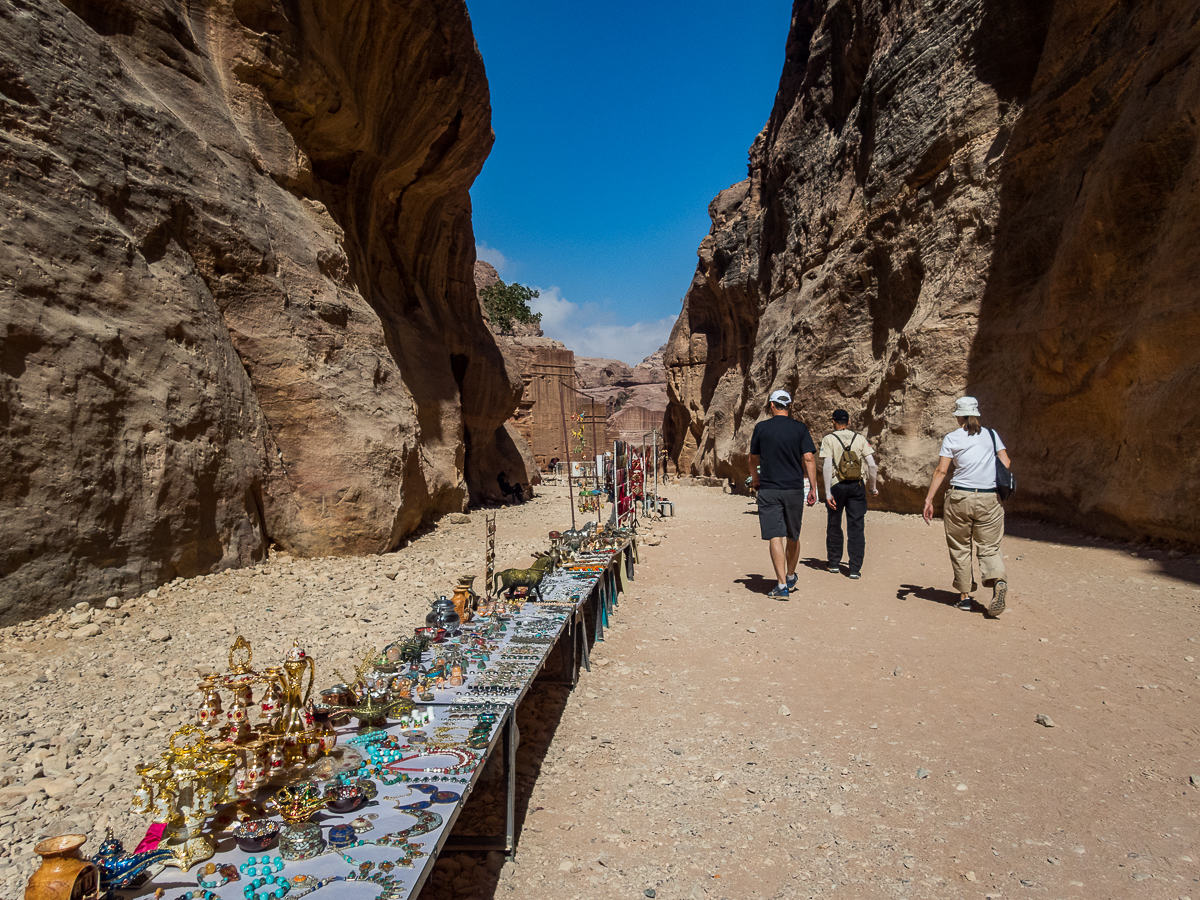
point(344, 798)
point(255, 835)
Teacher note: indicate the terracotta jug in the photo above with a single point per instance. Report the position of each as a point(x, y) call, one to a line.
point(64, 874)
point(465, 598)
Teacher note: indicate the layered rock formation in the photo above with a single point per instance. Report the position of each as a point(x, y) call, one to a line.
point(995, 197)
point(618, 384)
point(238, 305)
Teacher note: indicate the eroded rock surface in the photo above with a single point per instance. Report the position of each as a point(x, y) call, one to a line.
point(994, 198)
point(632, 393)
point(237, 305)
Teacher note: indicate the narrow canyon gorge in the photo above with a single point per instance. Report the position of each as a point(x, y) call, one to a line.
point(987, 197)
point(238, 303)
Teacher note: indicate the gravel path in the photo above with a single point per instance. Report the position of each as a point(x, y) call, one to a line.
point(865, 739)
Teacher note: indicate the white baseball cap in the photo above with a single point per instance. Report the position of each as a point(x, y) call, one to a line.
point(966, 406)
point(783, 398)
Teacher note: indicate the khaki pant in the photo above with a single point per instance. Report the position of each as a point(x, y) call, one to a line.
point(979, 518)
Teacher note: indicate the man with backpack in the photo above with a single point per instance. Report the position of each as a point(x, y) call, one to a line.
point(849, 459)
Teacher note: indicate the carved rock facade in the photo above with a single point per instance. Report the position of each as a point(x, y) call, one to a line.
point(238, 305)
point(989, 197)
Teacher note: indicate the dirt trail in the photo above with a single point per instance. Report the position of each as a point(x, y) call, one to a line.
point(866, 738)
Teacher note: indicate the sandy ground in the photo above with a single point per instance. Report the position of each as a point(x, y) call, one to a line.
point(866, 738)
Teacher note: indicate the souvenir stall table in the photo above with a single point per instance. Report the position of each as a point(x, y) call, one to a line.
point(354, 796)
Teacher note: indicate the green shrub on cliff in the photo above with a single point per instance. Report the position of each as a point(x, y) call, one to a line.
point(508, 303)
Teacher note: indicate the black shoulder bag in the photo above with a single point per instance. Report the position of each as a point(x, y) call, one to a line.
point(1006, 482)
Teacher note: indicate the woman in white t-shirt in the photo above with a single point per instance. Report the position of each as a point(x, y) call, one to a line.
point(972, 512)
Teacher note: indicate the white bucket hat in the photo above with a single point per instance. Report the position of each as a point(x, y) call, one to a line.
point(966, 406)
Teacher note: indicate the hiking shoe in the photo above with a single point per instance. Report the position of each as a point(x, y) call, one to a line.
point(779, 593)
point(999, 592)
point(966, 604)
point(835, 569)
point(856, 574)
point(791, 582)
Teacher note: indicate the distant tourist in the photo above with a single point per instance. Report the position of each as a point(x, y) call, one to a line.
point(510, 491)
point(781, 452)
point(972, 512)
point(849, 459)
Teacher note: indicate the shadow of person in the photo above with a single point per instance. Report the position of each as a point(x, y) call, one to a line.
point(933, 595)
point(759, 584)
point(813, 563)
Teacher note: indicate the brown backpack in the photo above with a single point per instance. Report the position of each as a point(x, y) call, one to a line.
point(849, 467)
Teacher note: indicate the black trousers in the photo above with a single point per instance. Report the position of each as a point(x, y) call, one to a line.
point(851, 498)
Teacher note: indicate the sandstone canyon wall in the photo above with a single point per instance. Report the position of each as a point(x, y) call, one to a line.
point(993, 197)
point(237, 304)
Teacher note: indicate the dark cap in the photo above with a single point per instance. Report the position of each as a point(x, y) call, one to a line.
point(840, 415)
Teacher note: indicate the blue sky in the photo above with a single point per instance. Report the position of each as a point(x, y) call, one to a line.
point(616, 124)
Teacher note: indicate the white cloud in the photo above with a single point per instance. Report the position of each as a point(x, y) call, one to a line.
point(493, 256)
point(590, 332)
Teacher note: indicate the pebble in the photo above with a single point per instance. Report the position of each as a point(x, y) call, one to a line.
point(1043, 719)
point(922, 773)
point(784, 711)
point(158, 635)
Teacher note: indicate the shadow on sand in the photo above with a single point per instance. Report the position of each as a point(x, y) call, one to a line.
point(933, 595)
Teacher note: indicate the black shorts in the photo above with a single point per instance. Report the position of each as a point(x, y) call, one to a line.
point(779, 513)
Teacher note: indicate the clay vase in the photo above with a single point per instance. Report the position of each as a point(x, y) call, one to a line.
point(64, 874)
point(462, 602)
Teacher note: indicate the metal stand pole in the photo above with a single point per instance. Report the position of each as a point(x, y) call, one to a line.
point(654, 444)
point(596, 452)
point(567, 450)
point(489, 555)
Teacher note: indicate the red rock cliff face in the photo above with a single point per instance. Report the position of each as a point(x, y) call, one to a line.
point(238, 305)
point(987, 197)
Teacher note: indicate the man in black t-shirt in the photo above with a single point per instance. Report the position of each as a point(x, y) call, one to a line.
point(784, 450)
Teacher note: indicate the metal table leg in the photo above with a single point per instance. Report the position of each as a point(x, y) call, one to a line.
point(514, 740)
point(581, 636)
point(508, 844)
point(601, 618)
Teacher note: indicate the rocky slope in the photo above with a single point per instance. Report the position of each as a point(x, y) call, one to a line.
point(619, 385)
point(237, 302)
point(985, 197)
